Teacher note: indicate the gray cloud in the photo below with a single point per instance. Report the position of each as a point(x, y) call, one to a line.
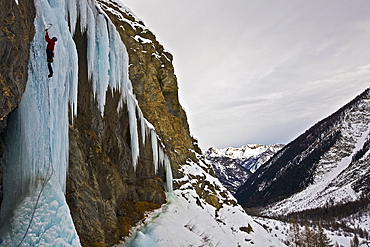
point(262, 71)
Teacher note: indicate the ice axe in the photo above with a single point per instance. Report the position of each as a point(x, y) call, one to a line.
point(50, 24)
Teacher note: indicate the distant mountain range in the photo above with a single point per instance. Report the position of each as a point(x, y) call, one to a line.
point(233, 166)
point(320, 179)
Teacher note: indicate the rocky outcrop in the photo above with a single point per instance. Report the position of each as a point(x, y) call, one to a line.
point(16, 33)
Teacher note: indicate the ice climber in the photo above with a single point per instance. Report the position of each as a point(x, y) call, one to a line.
point(50, 51)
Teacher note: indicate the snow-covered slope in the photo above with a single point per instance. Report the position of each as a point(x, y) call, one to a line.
point(339, 176)
point(327, 166)
point(233, 166)
point(288, 232)
point(188, 219)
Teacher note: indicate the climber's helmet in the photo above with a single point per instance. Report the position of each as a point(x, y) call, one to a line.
point(54, 38)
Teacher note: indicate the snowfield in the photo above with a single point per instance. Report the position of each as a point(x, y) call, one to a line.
point(283, 231)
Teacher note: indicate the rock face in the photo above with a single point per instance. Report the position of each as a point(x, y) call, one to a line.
point(155, 85)
point(105, 194)
point(16, 33)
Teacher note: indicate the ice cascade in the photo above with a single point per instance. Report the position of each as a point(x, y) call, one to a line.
point(36, 140)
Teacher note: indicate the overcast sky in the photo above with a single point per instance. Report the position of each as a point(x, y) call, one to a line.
point(261, 71)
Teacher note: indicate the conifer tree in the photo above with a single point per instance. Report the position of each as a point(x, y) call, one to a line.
point(308, 237)
point(295, 236)
point(354, 242)
point(322, 239)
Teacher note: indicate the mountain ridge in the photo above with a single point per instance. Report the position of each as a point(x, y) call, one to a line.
point(328, 151)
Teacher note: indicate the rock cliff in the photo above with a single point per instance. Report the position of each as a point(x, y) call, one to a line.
point(16, 32)
point(155, 84)
point(105, 193)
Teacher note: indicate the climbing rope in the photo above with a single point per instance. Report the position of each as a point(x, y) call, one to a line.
point(47, 178)
point(36, 204)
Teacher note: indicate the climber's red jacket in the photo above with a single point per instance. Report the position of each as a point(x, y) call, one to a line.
point(51, 43)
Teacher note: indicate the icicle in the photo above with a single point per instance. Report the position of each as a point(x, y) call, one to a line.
point(143, 127)
point(82, 13)
point(160, 156)
point(101, 63)
point(169, 180)
point(154, 149)
point(131, 106)
point(164, 161)
point(71, 15)
point(115, 57)
point(91, 34)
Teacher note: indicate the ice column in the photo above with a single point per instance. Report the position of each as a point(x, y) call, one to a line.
point(36, 139)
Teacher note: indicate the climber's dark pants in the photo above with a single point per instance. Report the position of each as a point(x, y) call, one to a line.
point(50, 55)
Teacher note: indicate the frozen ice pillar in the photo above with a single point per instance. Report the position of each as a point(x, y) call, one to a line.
point(34, 211)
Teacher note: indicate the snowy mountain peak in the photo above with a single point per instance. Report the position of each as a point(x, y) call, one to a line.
point(234, 165)
point(246, 151)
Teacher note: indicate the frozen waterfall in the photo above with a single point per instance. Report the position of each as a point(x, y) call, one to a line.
point(36, 143)
point(34, 210)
